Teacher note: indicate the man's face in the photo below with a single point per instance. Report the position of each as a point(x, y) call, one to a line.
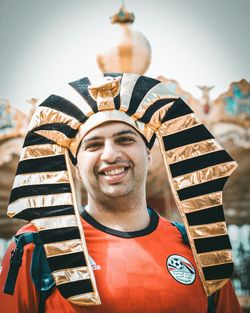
point(113, 161)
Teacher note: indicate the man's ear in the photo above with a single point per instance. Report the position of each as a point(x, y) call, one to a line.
point(78, 174)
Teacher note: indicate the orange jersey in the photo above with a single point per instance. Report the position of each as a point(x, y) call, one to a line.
point(147, 271)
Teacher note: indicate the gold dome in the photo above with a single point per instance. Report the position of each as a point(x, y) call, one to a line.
point(130, 51)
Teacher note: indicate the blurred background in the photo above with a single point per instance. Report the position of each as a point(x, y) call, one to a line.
point(198, 48)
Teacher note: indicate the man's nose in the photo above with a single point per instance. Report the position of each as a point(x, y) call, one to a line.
point(110, 153)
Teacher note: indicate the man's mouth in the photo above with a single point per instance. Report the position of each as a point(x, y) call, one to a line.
point(114, 174)
point(116, 171)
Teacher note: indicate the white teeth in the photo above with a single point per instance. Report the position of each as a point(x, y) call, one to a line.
point(115, 172)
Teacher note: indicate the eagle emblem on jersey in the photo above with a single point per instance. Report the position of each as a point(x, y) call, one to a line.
point(181, 269)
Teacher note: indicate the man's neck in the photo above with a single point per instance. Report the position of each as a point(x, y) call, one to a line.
point(123, 216)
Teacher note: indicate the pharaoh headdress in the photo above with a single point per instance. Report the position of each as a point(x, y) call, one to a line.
point(197, 166)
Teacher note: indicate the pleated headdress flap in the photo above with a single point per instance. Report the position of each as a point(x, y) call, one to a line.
point(43, 193)
point(197, 167)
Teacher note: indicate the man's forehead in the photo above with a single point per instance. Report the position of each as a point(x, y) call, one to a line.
point(112, 128)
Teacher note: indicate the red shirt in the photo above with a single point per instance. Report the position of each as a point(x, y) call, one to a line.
point(151, 270)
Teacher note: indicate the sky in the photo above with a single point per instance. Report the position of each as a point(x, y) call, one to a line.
point(44, 44)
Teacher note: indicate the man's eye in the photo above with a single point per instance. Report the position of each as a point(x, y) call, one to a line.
point(93, 146)
point(125, 140)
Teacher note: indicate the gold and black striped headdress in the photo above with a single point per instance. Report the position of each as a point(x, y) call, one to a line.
point(197, 166)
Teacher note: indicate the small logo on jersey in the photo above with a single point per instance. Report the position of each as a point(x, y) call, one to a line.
point(181, 269)
point(93, 264)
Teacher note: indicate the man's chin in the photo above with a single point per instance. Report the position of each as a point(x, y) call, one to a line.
point(116, 192)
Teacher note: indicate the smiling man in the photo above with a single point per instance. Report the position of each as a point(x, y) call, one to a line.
point(115, 254)
point(113, 163)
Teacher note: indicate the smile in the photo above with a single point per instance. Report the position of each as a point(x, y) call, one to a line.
point(114, 174)
point(116, 171)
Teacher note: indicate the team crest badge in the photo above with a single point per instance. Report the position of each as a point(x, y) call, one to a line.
point(181, 269)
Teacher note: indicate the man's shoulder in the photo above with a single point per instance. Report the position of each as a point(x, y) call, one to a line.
point(175, 227)
point(29, 228)
point(167, 222)
point(170, 226)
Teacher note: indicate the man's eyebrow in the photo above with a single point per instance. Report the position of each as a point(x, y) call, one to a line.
point(92, 138)
point(126, 132)
point(123, 132)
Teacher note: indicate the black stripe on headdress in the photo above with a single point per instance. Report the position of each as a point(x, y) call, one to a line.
point(35, 139)
point(59, 234)
point(38, 190)
point(202, 189)
point(66, 261)
point(211, 244)
point(187, 136)
point(81, 86)
point(178, 109)
point(220, 271)
point(206, 216)
point(46, 164)
point(117, 99)
point(151, 142)
point(63, 128)
point(48, 211)
point(199, 162)
point(73, 159)
point(65, 106)
point(141, 88)
point(153, 108)
point(76, 287)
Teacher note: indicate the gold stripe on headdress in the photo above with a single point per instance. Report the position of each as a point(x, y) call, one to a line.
point(54, 222)
point(40, 151)
point(86, 299)
point(157, 117)
point(204, 175)
point(192, 150)
point(215, 284)
point(44, 115)
point(202, 202)
point(177, 124)
point(41, 178)
point(127, 86)
point(56, 136)
point(39, 202)
point(70, 275)
point(208, 230)
point(215, 257)
point(62, 247)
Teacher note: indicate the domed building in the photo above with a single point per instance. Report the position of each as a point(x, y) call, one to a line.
point(129, 52)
